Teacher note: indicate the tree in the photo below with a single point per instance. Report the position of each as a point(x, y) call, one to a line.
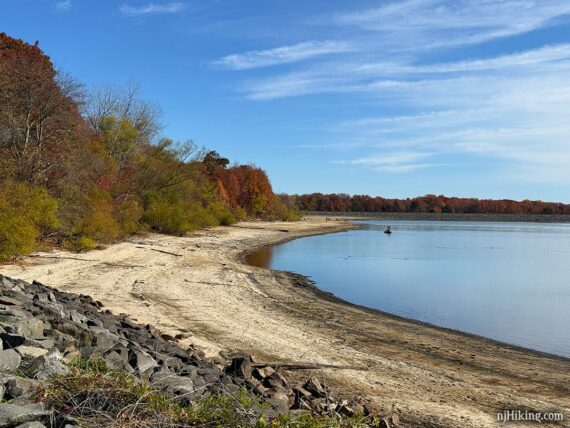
point(38, 112)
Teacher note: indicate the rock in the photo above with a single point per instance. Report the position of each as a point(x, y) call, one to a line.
point(141, 361)
point(10, 301)
point(176, 385)
point(62, 340)
point(48, 365)
point(9, 360)
point(44, 342)
point(240, 367)
point(11, 341)
point(315, 388)
point(19, 386)
point(91, 322)
point(34, 424)
point(118, 358)
point(279, 399)
point(12, 415)
point(41, 297)
point(275, 379)
point(302, 397)
point(77, 317)
point(263, 372)
point(28, 327)
point(71, 354)
point(30, 351)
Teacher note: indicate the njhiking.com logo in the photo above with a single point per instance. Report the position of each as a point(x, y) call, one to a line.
point(528, 416)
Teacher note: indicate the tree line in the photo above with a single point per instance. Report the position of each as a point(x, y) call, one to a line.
point(339, 202)
point(78, 167)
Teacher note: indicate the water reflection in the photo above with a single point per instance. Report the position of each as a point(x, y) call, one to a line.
point(261, 258)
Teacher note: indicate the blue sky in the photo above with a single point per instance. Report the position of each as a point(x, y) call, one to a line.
point(391, 98)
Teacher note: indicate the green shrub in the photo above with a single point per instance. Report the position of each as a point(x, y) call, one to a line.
point(17, 236)
point(222, 213)
point(97, 221)
point(26, 214)
point(129, 214)
point(168, 217)
point(280, 210)
point(240, 213)
point(80, 243)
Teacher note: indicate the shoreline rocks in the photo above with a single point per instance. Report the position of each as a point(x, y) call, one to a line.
point(43, 330)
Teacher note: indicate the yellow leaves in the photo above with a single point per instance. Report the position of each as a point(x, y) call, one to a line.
point(26, 212)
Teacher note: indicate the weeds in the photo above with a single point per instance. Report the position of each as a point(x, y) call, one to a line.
point(97, 396)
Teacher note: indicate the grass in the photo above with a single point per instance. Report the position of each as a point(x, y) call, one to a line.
point(97, 396)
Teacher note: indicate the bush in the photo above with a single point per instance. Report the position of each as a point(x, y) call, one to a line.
point(97, 222)
point(168, 217)
point(280, 210)
point(129, 214)
point(79, 244)
point(222, 213)
point(26, 214)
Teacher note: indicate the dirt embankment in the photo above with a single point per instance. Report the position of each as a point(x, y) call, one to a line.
point(199, 285)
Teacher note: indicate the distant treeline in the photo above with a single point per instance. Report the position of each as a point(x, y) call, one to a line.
point(338, 202)
point(81, 167)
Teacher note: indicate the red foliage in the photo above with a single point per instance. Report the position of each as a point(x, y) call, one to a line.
point(425, 204)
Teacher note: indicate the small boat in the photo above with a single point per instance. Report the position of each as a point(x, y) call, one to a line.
point(388, 230)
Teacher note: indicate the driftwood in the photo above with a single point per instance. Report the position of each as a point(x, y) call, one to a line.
point(303, 366)
point(85, 260)
point(61, 258)
point(162, 251)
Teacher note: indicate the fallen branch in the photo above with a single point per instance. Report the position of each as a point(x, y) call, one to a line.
point(86, 260)
point(304, 366)
point(61, 258)
point(162, 251)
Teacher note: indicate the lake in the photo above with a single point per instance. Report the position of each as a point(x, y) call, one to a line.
point(505, 281)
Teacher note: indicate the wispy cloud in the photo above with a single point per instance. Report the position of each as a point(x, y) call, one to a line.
point(63, 5)
point(392, 162)
point(510, 106)
point(152, 8)
point(437, 23)
point(281, 55)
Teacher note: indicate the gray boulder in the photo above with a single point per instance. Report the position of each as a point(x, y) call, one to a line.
point(141, 361)
point(12, 415)
point(47, 365)
point(19, 386)
point(9, 360)
point(176, 385)
point(31, 351)
point(34, 424)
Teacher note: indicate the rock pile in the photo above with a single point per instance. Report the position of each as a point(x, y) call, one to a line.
point(43, 330)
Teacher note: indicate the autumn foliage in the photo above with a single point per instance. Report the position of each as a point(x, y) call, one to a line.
point(85, 168)
point(424, 204)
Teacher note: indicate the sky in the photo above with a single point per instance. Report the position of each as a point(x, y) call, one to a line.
point(397, 98)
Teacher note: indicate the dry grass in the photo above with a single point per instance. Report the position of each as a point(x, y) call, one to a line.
point(98, 397)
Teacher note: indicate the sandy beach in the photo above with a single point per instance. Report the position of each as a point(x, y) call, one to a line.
point(199, 285)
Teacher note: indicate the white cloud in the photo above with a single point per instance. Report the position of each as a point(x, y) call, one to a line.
point(152, 8)
point(424, 24)
point(281, 55)
point(63, 5)
point(392, 162)
point(510, 108)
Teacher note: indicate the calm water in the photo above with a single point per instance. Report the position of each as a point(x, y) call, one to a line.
point(506, 281)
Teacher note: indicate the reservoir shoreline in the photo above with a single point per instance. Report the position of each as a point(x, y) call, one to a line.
point(304, 280)
point(198, 285)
